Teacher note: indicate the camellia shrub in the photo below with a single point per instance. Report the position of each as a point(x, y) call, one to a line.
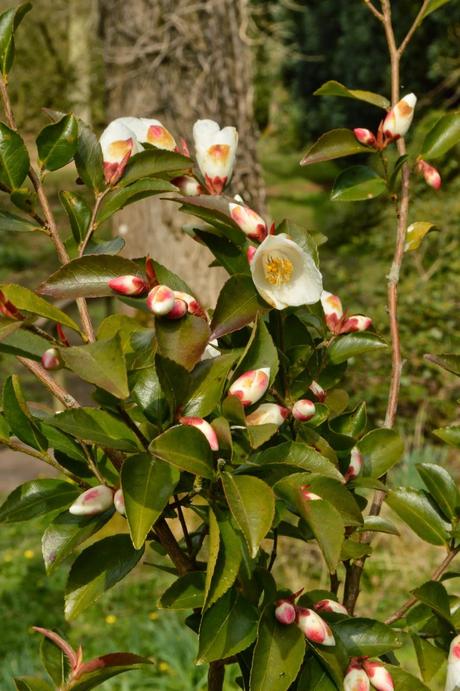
point(235, 417)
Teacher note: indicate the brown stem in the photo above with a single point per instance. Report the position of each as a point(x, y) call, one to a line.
point(92, 224)
point(374, 10)
point(184, 527)
point(47, 380)
point(274, 549)
point(216, 675)
point(413, 28)
point(180, 560)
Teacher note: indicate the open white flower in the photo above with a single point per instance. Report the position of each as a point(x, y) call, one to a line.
point(215, 150)
point(118, 143)
point(284, 274)
point(151, 131)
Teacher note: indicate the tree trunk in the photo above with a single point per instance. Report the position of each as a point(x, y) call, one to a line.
point(82, 26)
point(180, 61)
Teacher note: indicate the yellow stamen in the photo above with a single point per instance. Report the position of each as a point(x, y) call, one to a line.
point(277, 270)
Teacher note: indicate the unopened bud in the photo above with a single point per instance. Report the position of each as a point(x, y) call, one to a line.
point(399, 118)
point(379, 676)
point(251, 386)
point(364, 136)
point(307, 495)
point(268, 413)
point(204, 427)
point(430, 174)
point(51, 359)
point(303, 410)
point(250, 252)
point(249, 221)
point(178, 311)
point(357, 322)
point(355, 466)
point(128, 285)
point(313, 627)
point(190, 187)
point(94, 500)
point(453, 665)
point(160, 300)
point(119, 502)
point(356, 679)
point(333, 311)
point(193, 306)
point(285, 612)
point(330, 606)
point(318, 391)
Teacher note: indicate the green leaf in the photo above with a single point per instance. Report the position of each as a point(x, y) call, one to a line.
point(24, 343)
point(186, 448)
point(259, 352)
point(415, 234)
point(449, 434)
point(252, 504)
point(141, 189)
point(155, 163)
point(431, 7)
point(31, 684)
point(221, 573)
point(169, 278)
point(88, 158)
point(174, 380)
point(112, 246)
point(215, 211)
point(78, 212)
point(404, 681)
point(362, 636)
point(227, 628)
point(315, 678)
point(19, 417)
point(182, 340)
point(98, 670)
point(278, 654)
point(37, 498)
point(350, 345)
point(351, 424)
point(66, 532)
point(187, 592)
point(382, 449)
point(14, 158)
point(377, 524)
point(333, 88)
point(298, 455)
point(336, 494)
point(443, 136)
point(9, 22)
point(435, 596)
point(147, 486)
point(57, 143)
point(238, 304)
point(27, 300)
point(16, 224)
point(206, 385)
point(448, 361)
point(98, 426)
point(96, 570)
point(334, 144)
point(88, 277)
point(101, 363)
point(227, 254)
point(414, 508)
point(213, 550)
point(259, 434)
point(430, 658)
point(356, 184)
point(441, 486)
point(54, 661)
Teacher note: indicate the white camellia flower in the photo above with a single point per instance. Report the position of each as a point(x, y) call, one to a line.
point(118, 144)
point(215, 150)
point(151, 131)
point(284, 274)
point(399, 118)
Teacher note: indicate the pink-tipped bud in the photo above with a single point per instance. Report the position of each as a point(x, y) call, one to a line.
point(249, 221)
point(285, 612)
point(364, 136)
point(357, 322)
point(160, 300)
point(430, 174)
point(307, 495)
point(119, 502)
point(193, 306)
point(330, 606)
point(250, 252)
point(251, 386)
point(355, 466)
point(128, 285)
point(188, 186)
point(178, 311)
point(94, 500)
point(333, 311)
point(453, 665)
point(379, 676)
point(268, 414)
point(313, 627)
point(204, 427)
point(356, 679)
point(51, 359)
point(303, 410)
point(118, 144)
point(399, 118)
point(318, 391)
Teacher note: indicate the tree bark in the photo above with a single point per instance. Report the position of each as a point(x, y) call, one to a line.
point(82, 26)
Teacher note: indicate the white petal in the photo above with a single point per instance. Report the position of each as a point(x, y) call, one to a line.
point(203, 133)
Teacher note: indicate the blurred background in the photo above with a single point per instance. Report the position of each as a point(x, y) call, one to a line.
point(254, 64)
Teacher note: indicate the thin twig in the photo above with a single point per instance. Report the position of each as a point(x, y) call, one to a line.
point(166, 537)
point(184, 527)
point(413, 28)
point(47, 380)
point(45, 457)
point(374, 10)
point(216, 675)
point(274, 549)
point(93, 223)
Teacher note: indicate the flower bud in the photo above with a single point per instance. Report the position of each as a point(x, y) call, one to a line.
point(128, 285)
point(318, 391)
point(250, 252)
point(119, 502)
point(285, 612)
point(151, 131)
point(355, 466)
point(160, 300)
point(357, 322)
point(313, 627)
point(188, 186)
point(178, 311)
point(364, 136)
point(399, 118)
point(333, 311)
point(193, 306)
point(453, 665)
point(430, 174)
point(251, 386)
point(249, 221)
point(268, 413)
point(215, 153)
point(303, 410)
point(379, 676)
point(307, 495)
point(356, 679)
point(118, 144)
point(204, 427)
point(94, 500)
point(330, 606)
point(51, 359)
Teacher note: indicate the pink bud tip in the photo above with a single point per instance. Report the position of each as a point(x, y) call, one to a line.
point(119, 502)
point(307, 495)
point(430, 174)
point(193, 306)
point(356, 679)
point(356, 322)
point(251, 386)
point(249, 221)
point(250, 252)
point(303, 410)
point(355, 466)
point(178, 311)
point(215, 184)
point(285, 612)
point(128, 285)
point(379, 676)
point(190, 187)
point(364, 136)
point(333, 311)
point(318, 391)
point(93, 501)
point(160, 300)
point(204, 427)
point(268, 413)
point(313, 627)
point(330, 606)
point(51, 359)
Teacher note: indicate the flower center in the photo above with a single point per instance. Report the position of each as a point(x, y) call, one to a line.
point(277, 270)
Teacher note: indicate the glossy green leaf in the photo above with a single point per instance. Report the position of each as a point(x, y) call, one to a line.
point(141, 189)
point(449, 434)
point(112, 246)
point(25, 343)
point(350, 345)
point(441, 486)
point(334, 144)
point(435, 596)
point(26, 300)
point(252, 504)
point(98, 426)
point(362, 636)
point(351, 424)
point(382, 449)
point(182, 340)
point(213, 550)
point(16, 224)
point(155, 163)
point(88, 277)
point(37, 498)
point(259, 352)
point(147, 485)
point(9, 22)
point(404, 681)
point(415, 234)
point(333, 88)
point(187, 592)
point(101, 363)
point(315, 678)
point(31, 684)
point(185, 448)
point(278, 654)
point(238, 304)
point(338, 495)
point(214, 210)
point(414, 508)
point(18, 416)
point(230, 554)
point(54, 661)
point(169, 278)
point(96, 570)
point(78, 212)
point(227, 254)
point(98, 670)
point(206, 385)
point(358, 183)
point(443, 136)
point(57, 143)
point(259, 434)
point(14, 158)
point(174, 380)
point(298, 455)
point(88, 158)
point(377, 524)
point(227, 628)
point(430, 658)
point(8, 326)
point(448, 361)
